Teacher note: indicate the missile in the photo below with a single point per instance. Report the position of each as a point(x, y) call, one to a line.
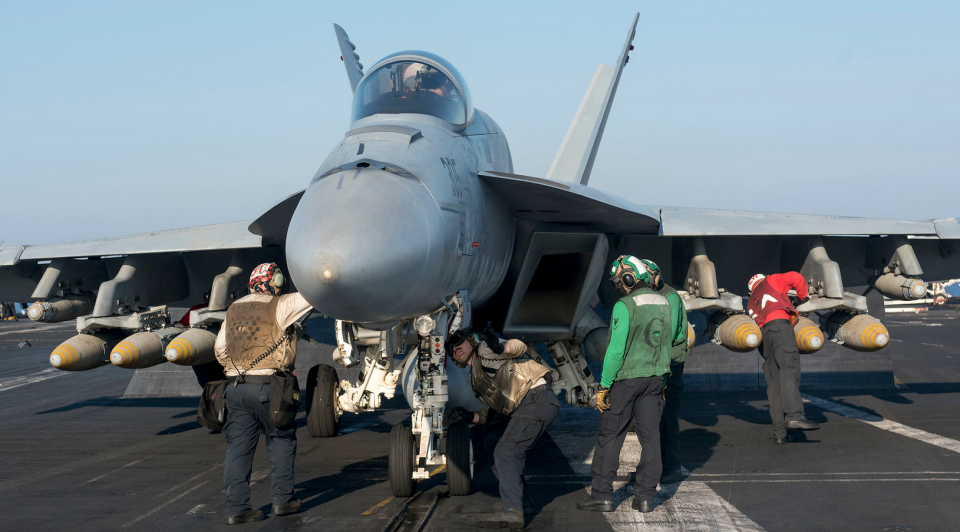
point(736, 332)
point(899, 287)
point(58, 310)
point(84, 351)
point(860, 332)
point(142, 350)
point(191, 348)
point(809, 336)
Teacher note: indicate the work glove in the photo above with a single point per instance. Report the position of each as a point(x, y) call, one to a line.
point(797, 301)
point(460, 414)
point(492, 339)
point(603, 399)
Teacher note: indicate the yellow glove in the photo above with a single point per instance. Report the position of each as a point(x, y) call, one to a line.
point(603, 399)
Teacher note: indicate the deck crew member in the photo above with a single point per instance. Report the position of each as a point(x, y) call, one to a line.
point(670, 420)
point(256, 340)
point(509, 384)
point(631, 387)
point(775, 314)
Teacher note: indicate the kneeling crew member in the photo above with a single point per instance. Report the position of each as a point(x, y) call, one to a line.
point(255, 341)
point(631, 387)
point(514, 385)
point(771, 308)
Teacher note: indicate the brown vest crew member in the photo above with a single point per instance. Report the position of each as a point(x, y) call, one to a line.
point(509, 384)
point(255, 341)
point(771, 308)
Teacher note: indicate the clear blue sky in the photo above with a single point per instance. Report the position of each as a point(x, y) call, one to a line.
point(124, 117)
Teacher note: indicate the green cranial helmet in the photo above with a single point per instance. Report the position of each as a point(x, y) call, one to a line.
point(629, 270)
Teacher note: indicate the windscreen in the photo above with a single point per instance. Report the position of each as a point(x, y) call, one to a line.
point(409, 87)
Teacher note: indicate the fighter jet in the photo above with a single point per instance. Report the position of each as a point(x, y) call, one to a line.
point(416, 226)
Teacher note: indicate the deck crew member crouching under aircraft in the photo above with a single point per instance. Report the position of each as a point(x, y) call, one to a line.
point(514, 385)
point(255, 341)
point(631, 387)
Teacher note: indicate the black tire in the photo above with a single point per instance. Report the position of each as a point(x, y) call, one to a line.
point(459, 459)
point(400, 461)
point(323, 390)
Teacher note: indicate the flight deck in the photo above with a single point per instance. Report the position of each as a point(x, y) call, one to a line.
point(78, 455)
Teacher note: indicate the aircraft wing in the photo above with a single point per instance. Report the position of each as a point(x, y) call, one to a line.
point(234, 235)
point(544, 200)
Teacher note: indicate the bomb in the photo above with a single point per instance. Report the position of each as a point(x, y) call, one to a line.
point(58, 310)
point(143, 349)
point(192, 348)
point(899, 287)
point(860, 332)
point(809, 336)
point(736, 332)
point(84, 351)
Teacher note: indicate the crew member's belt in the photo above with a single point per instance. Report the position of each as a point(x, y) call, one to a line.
point(252, 379)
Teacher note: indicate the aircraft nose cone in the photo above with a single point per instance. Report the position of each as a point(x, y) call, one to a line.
point(362, 245)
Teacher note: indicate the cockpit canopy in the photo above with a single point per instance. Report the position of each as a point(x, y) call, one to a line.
point(414, 82)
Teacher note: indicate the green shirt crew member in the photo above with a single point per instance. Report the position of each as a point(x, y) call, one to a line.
point(637, 359)
point(680, 341)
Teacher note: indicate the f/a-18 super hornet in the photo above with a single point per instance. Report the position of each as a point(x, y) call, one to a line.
point(415, 226)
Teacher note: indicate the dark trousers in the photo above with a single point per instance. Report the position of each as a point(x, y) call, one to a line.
point(633, 400)
point(527, 423)
point(248, 414)
point(670, 420)
point(781, 368)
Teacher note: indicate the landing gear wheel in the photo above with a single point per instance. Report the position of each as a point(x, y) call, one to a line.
point(400, 461)
point(459, 459)
point(323, 406)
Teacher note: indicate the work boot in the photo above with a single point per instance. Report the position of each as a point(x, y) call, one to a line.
point(803, 424)
point(672, 477)
point(512, 519)
point(642, 505)
point(248, 516)
point(595, 505)
point(291, 507)
point(780, 441)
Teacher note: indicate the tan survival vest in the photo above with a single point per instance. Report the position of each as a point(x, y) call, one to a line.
point(504, 391)
point(252, 330)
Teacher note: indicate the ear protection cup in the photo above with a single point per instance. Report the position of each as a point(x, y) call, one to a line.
point(628, 280)
point(277, 280)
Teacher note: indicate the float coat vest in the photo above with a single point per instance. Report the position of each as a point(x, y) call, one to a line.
point(766, 299)
point(504, 391)
point(252, 330)
point(649, 344)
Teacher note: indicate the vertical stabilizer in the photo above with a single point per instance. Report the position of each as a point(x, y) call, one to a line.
point(350, 58)
point(574, 160)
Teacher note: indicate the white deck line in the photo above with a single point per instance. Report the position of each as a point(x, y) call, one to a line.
point(885, 424)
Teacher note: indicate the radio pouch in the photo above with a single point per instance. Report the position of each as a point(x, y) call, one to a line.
point(212, 412)
point(284, 400)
